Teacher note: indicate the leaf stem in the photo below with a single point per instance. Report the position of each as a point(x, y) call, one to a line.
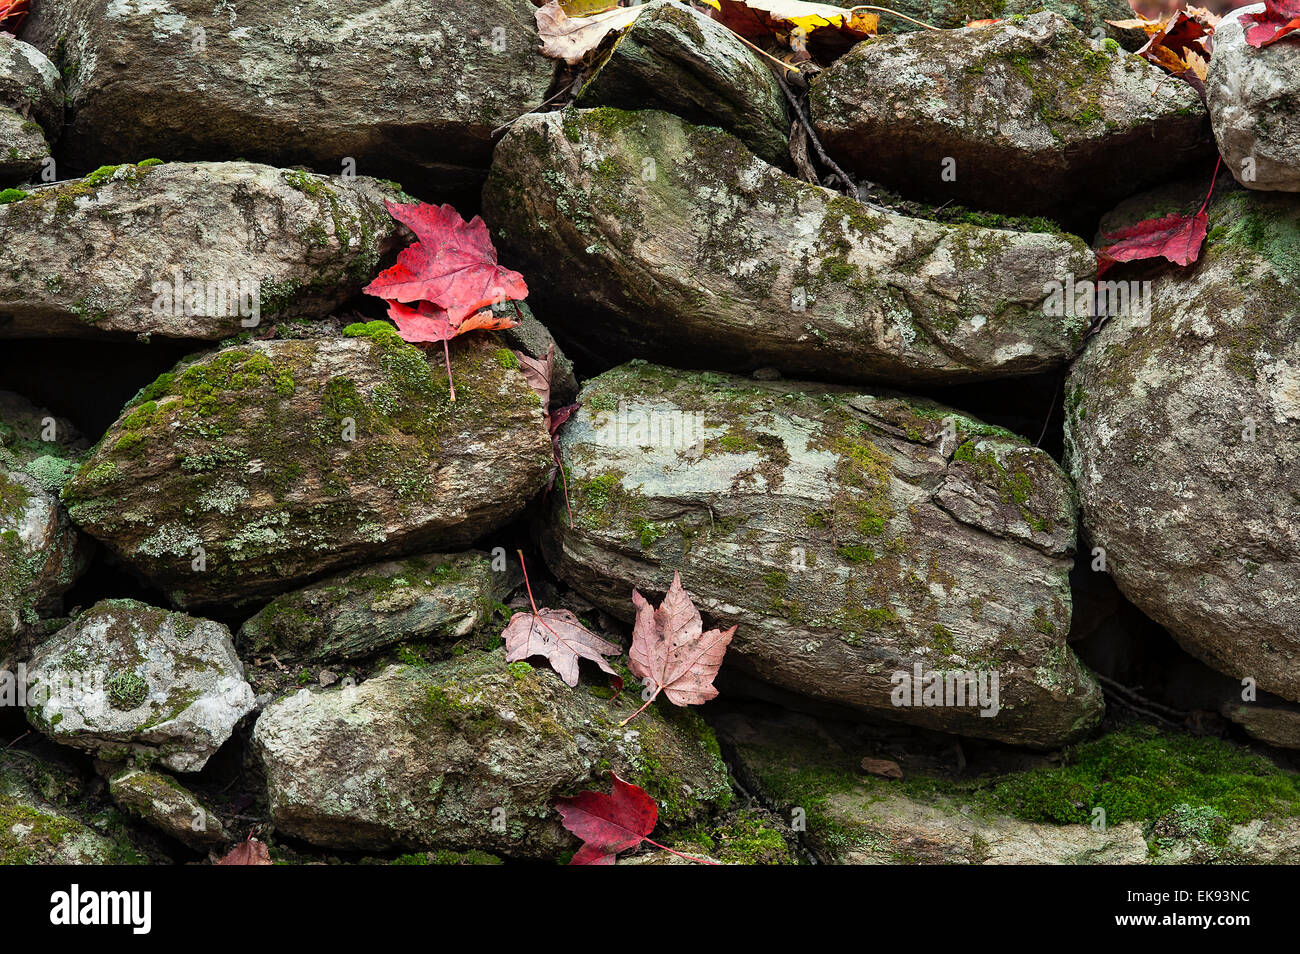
point(446, 353)
point(529, 587)
point(641, 710)
point(698, 861)
point(903, 16)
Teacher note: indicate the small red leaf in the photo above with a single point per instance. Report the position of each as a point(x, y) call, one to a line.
point(1279, 19)
point(248, 852)
point(608, 824)
point(1175, 237)
point(12, 14)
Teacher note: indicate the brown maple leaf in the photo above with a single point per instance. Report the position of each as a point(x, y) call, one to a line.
point(671, 653)
point(250, 851)
point(558, 635)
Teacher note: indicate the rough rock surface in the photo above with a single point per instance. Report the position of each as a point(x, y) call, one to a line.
point(1089, 16)
point(469, 754)
point(233, 476)
point(161, 801)
point(407, 88)
point(30, 85)
point(300, 244)
point(795, 765)
point(36, 826)
point(1035, 119)
point(1181, 434)
point(129, 680)
point(679, 60)
point(1255, 106)
point(680, 245)
point(1272, 725)
point(533, 338)
point(845, 533)
point(23, 149)
point(41, 552)
point(353, 614)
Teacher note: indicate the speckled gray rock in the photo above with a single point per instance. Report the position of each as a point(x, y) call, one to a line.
point(679, 60)
point(233, 476)
point(355, 613)
point(31, 109)
point(469, 753)
point(1273, 725)
point(1036, 120)
point(161, 801)
point(1089, 16)
point(407, 88)
point(246, 244)
point(126, 680)
point(845, 533)
point(41, 552)
point(681, 246)
point(37, 822)
point(1182, 434)
point(1255, 106)
point(533, 338)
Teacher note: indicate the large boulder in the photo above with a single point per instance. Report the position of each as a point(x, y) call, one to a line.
point(188, 250)
point(1182, 429)
point(680, 245)
point(126, 680)
point(358, 612)
point(406, 88)
point(165, 804)
point(41, 552)
point(852, 537)
point(248, 471)
point(1255, 106)
point(41, 804)
point(1023, 116)
point(679, 60)
point(469, 754)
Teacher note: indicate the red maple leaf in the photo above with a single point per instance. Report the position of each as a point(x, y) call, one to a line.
point(671, 653)
point(1280, 18)
point(248, 852)
point(452, 265)
point(12, 14)
point(1176, 237)
point(429, 322)
point(608, 824)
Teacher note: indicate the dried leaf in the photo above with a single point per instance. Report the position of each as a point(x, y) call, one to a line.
point(762, 18)
point(561, 638)
point(12, 14)
point(247, 852)
point(573, 39)
point(671, 652)
point(608, 824)
point(974, 24)
point(1278, 19)
point(538, 372)
point(884, 768)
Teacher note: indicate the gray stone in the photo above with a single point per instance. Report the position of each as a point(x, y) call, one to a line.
point(681, 246)
point(1181, 434)
point(162, 802)
point(1255, 106)
point(358, 612)
point(1037, 121)
point(845, 533)
point(407, 88)
point(1277, 725)
point(430, 758)
point(30, 85)
point(126, 680)
point(23, 149)
point(679, 60)
point(41, 552)
point(39, 824)
point(300, 244)
point(245, 454)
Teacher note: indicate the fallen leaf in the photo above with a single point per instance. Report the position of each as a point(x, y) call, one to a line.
point(453, 264)
point(981, 23)
point(1178, 42)
point(12, 14)
point(427, 322)
point(885, 768)
point(247, 852)
point(670, 651)
point(608, 824)
point(1175, 237)
point(759, 18)
point(538, 372)
point(574, 38)
point(561, 638)
point(556, 634)
point(1279, 19)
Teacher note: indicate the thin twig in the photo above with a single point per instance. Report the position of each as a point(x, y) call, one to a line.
point(816, 143)
point(902, 16)
point(1125, 691)
point(1050, 408)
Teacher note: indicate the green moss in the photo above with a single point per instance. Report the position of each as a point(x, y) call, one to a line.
point(12, 195)
point(126, 690)
point(507, 359)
